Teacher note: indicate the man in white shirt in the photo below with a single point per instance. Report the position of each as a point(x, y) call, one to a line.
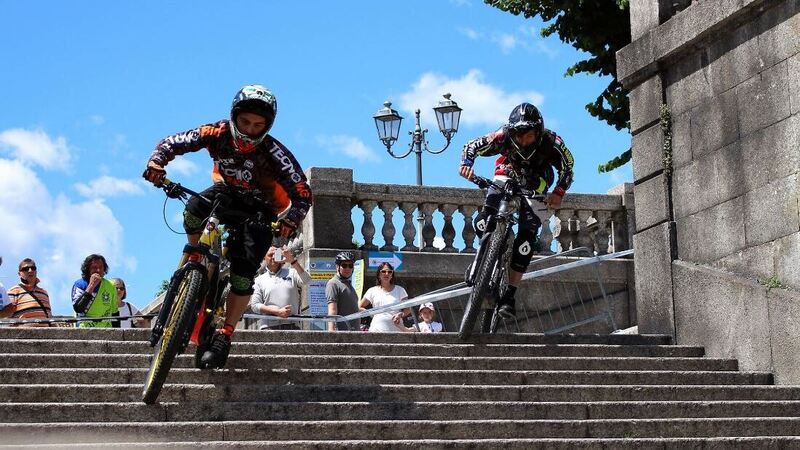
point(277, 291)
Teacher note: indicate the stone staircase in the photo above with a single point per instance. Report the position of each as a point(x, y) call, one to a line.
point(80, 389)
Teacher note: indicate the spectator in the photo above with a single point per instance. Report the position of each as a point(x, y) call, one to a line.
point(277, 291)
point(93, 295)
point(3, 293)
point(27, 300)
point(342, 297)
point(386, 293)
point(126, 309)
point(426, 315)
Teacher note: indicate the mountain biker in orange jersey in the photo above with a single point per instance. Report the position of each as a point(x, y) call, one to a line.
point(257, 173)
point(528, 153)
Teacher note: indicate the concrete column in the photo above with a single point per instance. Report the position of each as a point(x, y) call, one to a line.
point(328, 224)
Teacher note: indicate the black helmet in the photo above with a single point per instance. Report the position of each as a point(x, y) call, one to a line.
point(525, 117)
point(344, 256)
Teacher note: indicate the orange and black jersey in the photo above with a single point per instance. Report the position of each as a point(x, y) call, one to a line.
point(535, 173)
point(271, 171)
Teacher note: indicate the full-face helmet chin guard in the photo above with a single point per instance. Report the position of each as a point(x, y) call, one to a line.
point(254, 99)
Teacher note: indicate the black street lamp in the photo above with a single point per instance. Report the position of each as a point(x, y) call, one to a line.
point(387, 121)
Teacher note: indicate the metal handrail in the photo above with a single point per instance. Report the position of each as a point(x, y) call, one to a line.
point(453, 291)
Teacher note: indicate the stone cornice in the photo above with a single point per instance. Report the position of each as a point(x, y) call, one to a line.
point(641, 59)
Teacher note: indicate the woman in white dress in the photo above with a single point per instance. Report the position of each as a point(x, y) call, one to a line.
point(386, 293)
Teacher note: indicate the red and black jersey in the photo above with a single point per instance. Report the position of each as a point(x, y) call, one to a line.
point(270, 172)
point(534, 173)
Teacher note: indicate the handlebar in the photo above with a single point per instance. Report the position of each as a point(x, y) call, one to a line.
point(176, 190)
point(510, 185)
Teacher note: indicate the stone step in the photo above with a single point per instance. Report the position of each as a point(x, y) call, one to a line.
point(66, 360)
point(382, 376)
point(340, 411)
point(340, 337)
point(384, 349)
point(389, 393)
point(719, 443)
point(418, 429)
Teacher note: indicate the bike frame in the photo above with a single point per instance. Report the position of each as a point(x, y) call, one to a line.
point(205, 256)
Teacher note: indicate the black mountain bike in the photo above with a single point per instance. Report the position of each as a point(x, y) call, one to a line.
point(194, 303)
point(487, 273)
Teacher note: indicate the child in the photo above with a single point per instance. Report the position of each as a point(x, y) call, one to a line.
point(426, 315)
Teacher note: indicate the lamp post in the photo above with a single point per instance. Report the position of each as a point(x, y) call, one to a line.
point(388, 121)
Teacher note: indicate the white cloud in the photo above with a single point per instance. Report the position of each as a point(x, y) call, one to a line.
point(484, 104)
point(461, 3)
point(55, 231)
point(107, 186)
point(507, 42)
point(97, 119)
point(350, 145)
point(471, 33)
point(621, 175)
point(183, 166)
point(36, 148)
point(438, 242)
point(526, 38)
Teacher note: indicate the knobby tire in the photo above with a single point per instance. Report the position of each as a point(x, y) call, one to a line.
point(482, 278)
point(175, 331)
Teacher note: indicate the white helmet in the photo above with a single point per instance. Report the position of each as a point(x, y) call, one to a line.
point(255, 99)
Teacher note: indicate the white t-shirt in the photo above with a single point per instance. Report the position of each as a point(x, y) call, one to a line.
point(4, 301)
point(127, 310)
point(433, 327)
point(382, 322)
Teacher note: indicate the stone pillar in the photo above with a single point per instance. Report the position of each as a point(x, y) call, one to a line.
point(388, 230)
point(448, 231)
point(328, 224)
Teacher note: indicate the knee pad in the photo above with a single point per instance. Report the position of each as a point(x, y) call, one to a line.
point(191, 223)
point(241, 285)
point(524, 246)
point(481, 223)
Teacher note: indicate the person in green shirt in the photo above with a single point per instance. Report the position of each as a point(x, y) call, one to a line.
point(93, 295)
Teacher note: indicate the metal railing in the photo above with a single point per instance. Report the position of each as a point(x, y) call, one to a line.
point(555, 314)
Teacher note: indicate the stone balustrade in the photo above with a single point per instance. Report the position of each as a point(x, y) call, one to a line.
point(596, 221)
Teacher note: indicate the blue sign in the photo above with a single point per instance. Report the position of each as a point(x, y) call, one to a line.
point(375, 259)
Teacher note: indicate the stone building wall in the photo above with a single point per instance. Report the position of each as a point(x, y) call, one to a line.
point(725, 193)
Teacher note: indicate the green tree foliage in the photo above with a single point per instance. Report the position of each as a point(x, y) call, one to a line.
point(599, 28)
point(162, 287)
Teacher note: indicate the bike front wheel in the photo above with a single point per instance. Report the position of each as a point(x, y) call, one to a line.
point(483, 278)
point(176, 330)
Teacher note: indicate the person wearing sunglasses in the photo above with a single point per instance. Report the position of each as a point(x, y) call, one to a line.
point(386, 293)
point(126, 309)
point(341, 296)
point(93, 295)
point(27, 300)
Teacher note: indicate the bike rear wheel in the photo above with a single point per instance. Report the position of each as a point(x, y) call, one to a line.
point(482, 280)
point(176, 331)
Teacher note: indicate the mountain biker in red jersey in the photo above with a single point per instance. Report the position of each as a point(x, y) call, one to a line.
point(528, 153)
point(259, 174)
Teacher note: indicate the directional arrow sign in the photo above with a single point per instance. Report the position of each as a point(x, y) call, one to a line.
point(375, 259)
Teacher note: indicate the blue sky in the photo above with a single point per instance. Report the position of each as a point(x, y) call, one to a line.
point(88, 88)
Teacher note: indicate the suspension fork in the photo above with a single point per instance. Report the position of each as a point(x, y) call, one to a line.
point(491, 224)
point(499, 264)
